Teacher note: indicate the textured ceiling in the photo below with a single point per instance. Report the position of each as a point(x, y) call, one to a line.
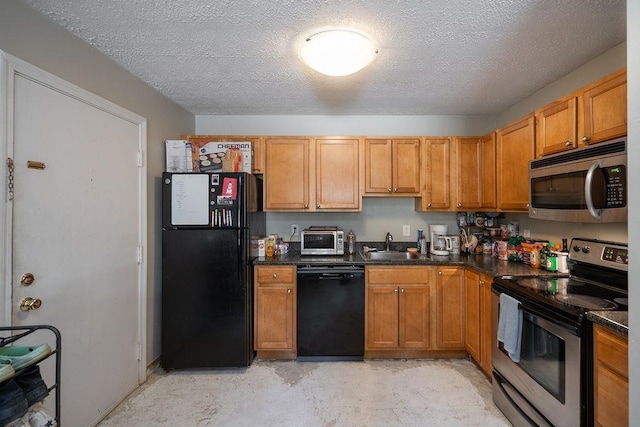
point(435, 57)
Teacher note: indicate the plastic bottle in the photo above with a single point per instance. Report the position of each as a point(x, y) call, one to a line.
point(423, 245)
point(351, 243)
point(419, 242)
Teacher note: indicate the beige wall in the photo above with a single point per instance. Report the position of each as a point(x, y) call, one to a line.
point(30, 36)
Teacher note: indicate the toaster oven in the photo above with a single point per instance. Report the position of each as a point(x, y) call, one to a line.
point(322, 240)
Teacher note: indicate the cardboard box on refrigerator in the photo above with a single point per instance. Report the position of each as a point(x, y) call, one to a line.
point(221, 156)
point(179, 155)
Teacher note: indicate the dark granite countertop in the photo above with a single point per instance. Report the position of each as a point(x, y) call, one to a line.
point(617, 321)
point(490, 266)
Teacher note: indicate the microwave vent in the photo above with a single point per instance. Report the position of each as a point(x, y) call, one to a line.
point(618, 146)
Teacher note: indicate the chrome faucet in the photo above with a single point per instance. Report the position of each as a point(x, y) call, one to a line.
point(387, 242)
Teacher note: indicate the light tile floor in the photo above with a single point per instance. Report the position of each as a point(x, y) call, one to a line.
point(288, 393)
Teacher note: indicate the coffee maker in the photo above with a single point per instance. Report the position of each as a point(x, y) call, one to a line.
point(438, 235)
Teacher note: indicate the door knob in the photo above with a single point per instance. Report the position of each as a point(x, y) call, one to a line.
point(27, 279)
point(29, 303)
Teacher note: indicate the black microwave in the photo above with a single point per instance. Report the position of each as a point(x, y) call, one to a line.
point(584, 185)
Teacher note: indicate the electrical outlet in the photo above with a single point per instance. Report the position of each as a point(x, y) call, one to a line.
point(406, 230)
point(294, 229)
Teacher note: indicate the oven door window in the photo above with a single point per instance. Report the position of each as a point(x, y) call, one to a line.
point(319, 241)
point(542, 356)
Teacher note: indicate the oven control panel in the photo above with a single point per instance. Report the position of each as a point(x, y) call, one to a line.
point(601, 253)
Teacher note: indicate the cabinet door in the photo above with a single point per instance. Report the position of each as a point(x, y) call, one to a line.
point(406, 166)
point(516, 147)
point(414, 317)
point(378, 166)
point(382, 317)
point(488, 175)
point(487, 341)
point(274, 322)
point(287, 174)
point(337, 174)
point(468, 173)
point(611, 378)
point(605, 108)
point(473, 314)
point(437, 195)
point(557, 127)
point(450, 308)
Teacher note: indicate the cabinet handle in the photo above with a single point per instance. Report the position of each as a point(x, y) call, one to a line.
point(317, 206)
point(439, 273)
point(481, 282)
point(275, 275)
point(428, 205)
point(568, 144)
point(395, 290)
point(402, 290)
point(395, 190)
point(459, 205)
point(388, 190)
point(288, 291)
point(585, 139)
point(306, 206)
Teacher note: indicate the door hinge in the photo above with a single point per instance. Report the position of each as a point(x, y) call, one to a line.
point(140, 253)
point(140, 158)
point(139, 351)
point(10, 178)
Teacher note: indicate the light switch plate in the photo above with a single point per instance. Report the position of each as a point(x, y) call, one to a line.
point(406, 230)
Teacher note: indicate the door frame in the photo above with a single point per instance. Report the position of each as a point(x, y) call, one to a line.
point(10, 67)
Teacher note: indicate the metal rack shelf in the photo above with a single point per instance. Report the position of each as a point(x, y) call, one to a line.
point(55, 351)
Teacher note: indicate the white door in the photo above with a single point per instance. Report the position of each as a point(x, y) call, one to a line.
point(76, 225)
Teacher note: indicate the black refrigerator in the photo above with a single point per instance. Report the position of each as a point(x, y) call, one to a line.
point(208, 221)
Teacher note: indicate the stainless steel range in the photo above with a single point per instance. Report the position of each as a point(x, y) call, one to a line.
point(543, 358)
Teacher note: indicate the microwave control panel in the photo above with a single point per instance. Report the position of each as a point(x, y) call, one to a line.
point(616, 178)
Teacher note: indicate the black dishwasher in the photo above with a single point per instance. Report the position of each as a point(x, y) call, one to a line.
point(330, 312)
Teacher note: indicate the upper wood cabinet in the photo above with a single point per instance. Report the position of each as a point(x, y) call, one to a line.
point(595, 113)
point(605, 108)
point(488, 175)
point(557, 126)
point(515, 148)
point(286, 181)
point(392, 166)
point(257, 146)
point(436, 170)
point(312, 174)
point(468, 172)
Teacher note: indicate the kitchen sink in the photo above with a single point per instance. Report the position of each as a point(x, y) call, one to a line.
point(391, 255)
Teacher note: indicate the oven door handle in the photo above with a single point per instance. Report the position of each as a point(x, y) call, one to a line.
point(588, 184)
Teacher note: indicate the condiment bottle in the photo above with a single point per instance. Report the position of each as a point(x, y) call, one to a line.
point(351, 243)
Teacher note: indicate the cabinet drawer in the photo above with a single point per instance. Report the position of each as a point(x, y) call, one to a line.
point(275, 275)
point(612, 349)
point(397, 275)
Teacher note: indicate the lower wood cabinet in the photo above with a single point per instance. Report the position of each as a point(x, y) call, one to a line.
point(397, 308)
point(610, 378)
point(275, 311)
point(478, 337)
point(450, 308)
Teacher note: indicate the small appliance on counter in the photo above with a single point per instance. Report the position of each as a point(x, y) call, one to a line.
point(322, 240)
point(439, 239)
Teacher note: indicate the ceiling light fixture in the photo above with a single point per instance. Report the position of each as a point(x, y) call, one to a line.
point(337, 52)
